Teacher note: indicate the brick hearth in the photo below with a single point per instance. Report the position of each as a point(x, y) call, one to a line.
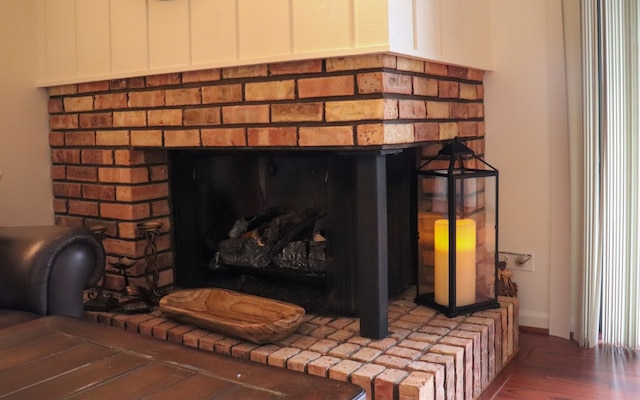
point(426, 356)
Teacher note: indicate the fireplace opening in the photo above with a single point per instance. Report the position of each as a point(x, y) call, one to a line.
point(283, 224)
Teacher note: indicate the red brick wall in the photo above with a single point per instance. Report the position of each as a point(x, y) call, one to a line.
point(109, 139)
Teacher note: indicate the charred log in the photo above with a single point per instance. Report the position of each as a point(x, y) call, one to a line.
point(251, 222)
point(289, 241)
point(304, 255)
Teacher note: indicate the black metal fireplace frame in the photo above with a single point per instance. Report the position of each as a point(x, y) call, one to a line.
point(373, 191)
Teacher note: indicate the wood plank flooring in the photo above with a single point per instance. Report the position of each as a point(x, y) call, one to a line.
point(548, 367)
point(65, 358)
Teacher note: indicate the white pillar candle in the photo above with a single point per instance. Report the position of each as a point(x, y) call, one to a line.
point(465, 262)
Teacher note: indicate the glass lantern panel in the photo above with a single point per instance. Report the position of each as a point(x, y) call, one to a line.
point(432, 206)
point(476, 201)
point(488, 245)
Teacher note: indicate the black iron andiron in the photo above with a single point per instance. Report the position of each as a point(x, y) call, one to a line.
point(97, 299)
point(151, 274)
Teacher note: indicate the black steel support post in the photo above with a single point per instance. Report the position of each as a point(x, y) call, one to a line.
point(372, 262)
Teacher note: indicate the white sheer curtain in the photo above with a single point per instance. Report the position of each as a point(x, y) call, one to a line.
point(610, 171)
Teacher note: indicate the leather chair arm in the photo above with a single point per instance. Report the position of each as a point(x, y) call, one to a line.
point(44, 269)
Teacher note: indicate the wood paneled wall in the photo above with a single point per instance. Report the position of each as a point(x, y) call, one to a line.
point(85, 41)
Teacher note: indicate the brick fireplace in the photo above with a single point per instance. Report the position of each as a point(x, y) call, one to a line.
point(112, 140)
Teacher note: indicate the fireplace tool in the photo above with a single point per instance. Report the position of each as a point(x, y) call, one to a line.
point(150, 230)
point(98, 300)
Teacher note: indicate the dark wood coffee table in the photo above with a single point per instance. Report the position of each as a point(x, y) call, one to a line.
point(59, 357)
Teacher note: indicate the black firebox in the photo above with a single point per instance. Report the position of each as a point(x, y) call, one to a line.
point(294, 225)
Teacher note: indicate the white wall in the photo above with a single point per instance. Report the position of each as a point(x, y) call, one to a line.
point(527, 140)
point(25, 185)
point(448, 31)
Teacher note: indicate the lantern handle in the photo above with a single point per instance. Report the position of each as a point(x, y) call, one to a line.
point(453, 149)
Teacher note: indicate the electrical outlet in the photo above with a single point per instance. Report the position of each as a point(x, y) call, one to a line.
point(517, 261)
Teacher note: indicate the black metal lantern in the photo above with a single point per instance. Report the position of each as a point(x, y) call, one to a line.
point(458, 234)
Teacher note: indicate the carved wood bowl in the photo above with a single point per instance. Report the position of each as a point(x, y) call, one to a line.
point(252, 318)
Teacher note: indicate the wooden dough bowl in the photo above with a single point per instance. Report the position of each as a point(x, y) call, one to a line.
point(256, 319)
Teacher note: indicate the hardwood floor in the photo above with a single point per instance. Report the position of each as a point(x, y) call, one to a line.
point(548, 367)
point(59, 357)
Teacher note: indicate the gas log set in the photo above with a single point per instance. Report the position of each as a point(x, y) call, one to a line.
point(291, 241)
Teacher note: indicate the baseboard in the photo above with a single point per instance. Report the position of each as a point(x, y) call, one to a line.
point(537, 331)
